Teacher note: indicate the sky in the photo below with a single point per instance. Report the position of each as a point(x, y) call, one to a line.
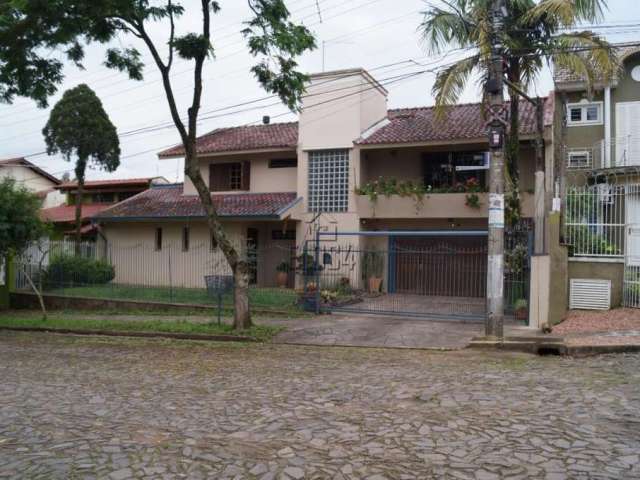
point(379, 35)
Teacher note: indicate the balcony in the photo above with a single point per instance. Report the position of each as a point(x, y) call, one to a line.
point(625, 152)
point(433, 205)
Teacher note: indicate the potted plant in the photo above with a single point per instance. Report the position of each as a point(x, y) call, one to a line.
point(520, 309)
point(372, 269)
point(282, 275)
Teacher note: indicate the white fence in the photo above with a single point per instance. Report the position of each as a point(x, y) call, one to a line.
point(37, 256)
point(595, 220)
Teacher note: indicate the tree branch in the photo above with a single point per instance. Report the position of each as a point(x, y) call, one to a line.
point(166, 83)
point(171, 35)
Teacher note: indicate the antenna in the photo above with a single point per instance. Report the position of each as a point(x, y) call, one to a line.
point(319, 13)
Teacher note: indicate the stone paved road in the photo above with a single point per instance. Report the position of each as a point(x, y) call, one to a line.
point(74, 407)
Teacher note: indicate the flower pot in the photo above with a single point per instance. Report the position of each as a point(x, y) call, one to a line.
point(282, 279)
point(374, 284)
point(521, 314)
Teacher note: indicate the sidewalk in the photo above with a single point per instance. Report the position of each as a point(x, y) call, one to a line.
point(620, 326)
point(581, 333)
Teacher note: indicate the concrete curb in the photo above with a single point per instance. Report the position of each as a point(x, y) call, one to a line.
point(117, 333)
point(590, 350)
point(549, 345)
point(384, 347)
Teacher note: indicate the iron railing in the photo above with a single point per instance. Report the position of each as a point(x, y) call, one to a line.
point(442, 277)
point(595, 220)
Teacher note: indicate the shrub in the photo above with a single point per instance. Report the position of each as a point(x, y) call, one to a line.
point(70, 269)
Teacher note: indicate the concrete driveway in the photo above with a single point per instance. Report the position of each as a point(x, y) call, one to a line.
point(378, 331)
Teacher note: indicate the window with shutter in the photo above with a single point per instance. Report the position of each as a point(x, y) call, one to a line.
point(224, 177)
point(246, 176)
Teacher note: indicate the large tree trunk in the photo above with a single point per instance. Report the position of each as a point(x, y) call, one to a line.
point(79, 215)
point(242, 314)
point(239, 266)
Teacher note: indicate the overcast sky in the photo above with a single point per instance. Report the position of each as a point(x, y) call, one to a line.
point(355, 33)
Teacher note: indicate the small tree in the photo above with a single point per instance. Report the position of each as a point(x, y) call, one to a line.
point(20, 225)
point(79, 127)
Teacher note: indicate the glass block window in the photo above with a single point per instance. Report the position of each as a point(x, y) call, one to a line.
point(328, 181)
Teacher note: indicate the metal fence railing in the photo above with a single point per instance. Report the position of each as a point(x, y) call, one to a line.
point(594, 223)
point(446, 276)
point(171, 274)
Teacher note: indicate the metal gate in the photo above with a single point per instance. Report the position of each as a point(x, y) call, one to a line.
point(631, 280)
point(431, 274)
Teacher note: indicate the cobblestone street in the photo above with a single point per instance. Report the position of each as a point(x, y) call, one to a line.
point(75, 407)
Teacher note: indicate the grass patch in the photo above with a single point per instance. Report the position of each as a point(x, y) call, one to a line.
point(279, 299)
point(259, 332)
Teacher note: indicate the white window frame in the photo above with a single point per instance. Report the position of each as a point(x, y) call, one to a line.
point(583, 106)
point(579, 153)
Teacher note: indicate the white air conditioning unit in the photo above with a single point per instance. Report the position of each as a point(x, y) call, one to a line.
point(589, 294)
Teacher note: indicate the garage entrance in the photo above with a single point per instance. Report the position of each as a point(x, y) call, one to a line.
point(439, 266)
point(427, 274)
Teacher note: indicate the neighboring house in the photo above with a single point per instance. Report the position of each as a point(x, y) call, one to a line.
point(98, 196)
point(33, 178)
point(276, 184)
point(599, 132)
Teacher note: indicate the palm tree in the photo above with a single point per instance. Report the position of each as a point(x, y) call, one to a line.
point(536, 34)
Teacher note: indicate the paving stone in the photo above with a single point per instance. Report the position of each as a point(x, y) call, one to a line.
point(177, 410)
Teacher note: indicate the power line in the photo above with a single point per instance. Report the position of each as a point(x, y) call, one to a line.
point(385, 82)
point(174, 74)
point(148, 57)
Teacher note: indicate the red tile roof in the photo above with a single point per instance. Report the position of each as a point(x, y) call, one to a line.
point(167, 202)
point(254, 137)
point(67, 213)
point(407, 125)
point(463, 122)
point(118, 182)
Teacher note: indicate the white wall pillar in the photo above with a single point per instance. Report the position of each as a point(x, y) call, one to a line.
point(607, 127)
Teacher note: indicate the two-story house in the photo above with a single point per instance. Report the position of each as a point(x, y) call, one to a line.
point(599, 132)
point(33, 178)
point(98, 195)
point(349, 165)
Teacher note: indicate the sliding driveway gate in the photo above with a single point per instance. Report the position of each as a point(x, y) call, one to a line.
point(431, 274)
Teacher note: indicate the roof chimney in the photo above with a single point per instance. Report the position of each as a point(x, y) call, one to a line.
point(266, 120)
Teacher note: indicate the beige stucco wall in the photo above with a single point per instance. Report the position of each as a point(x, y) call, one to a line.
point(132, 252)
point(26, 177)
point(337, 108)
point(613, 271)
point(263, 178)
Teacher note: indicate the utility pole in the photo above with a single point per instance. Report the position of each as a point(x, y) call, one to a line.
point(494, 326)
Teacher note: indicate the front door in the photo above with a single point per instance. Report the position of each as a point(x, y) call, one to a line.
point(627, 142)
